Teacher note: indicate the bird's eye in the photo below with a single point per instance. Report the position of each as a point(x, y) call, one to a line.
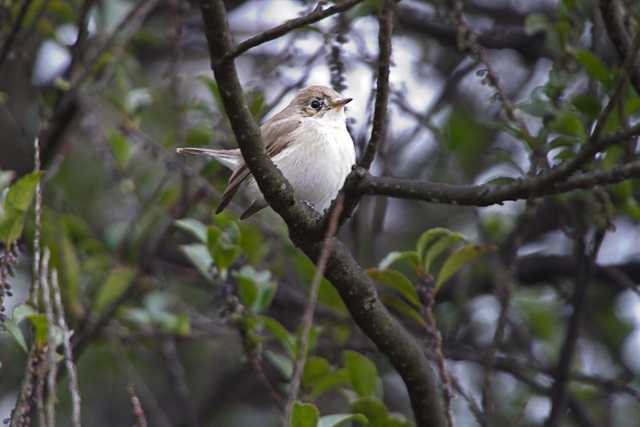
point(316, 104)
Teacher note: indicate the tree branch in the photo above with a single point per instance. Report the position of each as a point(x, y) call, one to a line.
point(282, 29)
point(354, 285)
point(614, 15)
point(379, 130)
point(531, 46)
point(487, 194)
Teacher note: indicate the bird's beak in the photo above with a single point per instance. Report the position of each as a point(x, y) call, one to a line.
point(339, 103)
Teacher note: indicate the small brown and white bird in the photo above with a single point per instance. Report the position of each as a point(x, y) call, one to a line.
point(308, 141)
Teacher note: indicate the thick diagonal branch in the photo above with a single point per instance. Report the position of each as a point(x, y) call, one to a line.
point(351, 281)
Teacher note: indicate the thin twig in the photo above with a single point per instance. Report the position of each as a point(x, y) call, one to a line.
point(559, 390)
point(307, 318)
point(52, 363)
point(74, 389)
point(379, 130)
point(176, 372)
point(427, 297)
point(35, 288)
point(138, 411)
point(281, 30)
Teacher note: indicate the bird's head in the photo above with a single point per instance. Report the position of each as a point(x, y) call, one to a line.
point(320, 102)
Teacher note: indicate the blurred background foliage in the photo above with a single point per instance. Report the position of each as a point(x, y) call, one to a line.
point(200, 312)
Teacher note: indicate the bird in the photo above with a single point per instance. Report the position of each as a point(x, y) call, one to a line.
point(308, 141)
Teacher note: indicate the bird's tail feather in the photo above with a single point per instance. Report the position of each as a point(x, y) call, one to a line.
point(228, 158)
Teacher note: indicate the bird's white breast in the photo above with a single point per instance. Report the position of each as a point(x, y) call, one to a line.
point(318, 160)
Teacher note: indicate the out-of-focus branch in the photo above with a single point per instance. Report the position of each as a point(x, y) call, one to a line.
point(614, 15)
point(531, 46)
point(586, 260)
point(282, 29)
point(487, 194)
point(354, 285)
point(15, 29)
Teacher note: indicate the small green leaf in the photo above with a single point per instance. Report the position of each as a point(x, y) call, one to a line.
point(255, 288)
point(199, 256)
point(595, 67)
point(336, 420)
point(393, 257)
point(535, 23)
point(282, 363)
point(21, 312)
point(373, 409)
point(14, 330)
point(281, 333)
point(304, 415)
point(363, 374)
point(194, 227)
point(39, 322)
point(21, 192)
point(428, 237)
point(458, 259)
point(315, 368)
point(403, 308)
point(568, 123)
point(396, 280)
point(337, 378)
point(439, 247)
point(114, 286)
point(119, 147)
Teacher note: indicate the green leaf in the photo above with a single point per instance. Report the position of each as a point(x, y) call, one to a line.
point(439, 247)
point(568, 123)
point(330, 381)
point(281, 333)
point(22, 191)
point(199, 256)
point(595, 67)
point(255, 288)
point(428, 237)
point(588, 105)
point(316, 367)
point(114, 286)
point(304, 415)
point(21, 312)
point(222, 247)
point(396, 280)
point(194, 227)
point(363, 374)
point(337, 419)
point(282, 363)
point(458, 259)
point(373, 409)
point(120, 147)
point(403, 308)
point(535, 23)
point(393, 257)
point(14, 330)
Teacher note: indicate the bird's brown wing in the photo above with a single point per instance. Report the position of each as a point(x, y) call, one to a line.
point(276, 135)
